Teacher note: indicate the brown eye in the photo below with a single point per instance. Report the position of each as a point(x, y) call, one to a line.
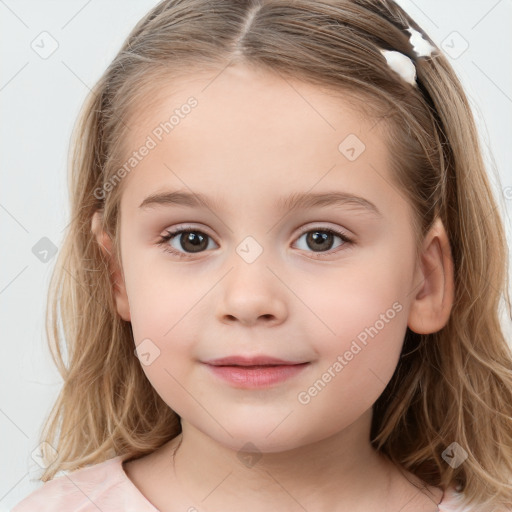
point(193, 241)
point(321, 240)
point(188, 242)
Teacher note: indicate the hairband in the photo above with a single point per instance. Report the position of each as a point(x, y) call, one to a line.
point(402, 64)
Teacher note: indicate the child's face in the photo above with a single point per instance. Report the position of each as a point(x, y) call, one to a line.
point(259, 285)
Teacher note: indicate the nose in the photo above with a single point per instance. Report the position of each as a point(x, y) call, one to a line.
point(252, 294)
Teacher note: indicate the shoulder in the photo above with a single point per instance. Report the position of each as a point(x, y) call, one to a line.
point(104, 486)
point(453, 501)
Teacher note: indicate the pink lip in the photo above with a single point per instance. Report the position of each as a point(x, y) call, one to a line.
point(254, 372)
point(249, 361)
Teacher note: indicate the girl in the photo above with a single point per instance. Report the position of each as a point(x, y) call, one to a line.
point(217, 355)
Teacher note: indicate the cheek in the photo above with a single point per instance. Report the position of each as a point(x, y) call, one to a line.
point(356, 304)
point(162, 307)
point(159, 296)
point(163, 343)
point(358, 328)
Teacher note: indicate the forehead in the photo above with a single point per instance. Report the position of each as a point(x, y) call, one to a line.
point(257, 135)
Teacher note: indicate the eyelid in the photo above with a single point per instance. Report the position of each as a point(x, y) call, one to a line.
point(304, 229)
point(319, 225)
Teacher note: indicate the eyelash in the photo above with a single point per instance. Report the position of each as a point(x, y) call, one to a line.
point(181, 229)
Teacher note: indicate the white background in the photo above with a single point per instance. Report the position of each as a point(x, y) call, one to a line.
point(40, 99)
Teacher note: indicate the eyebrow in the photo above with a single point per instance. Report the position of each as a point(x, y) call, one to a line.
point(295, 201)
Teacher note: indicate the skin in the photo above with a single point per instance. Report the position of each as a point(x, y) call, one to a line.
point(252, 139)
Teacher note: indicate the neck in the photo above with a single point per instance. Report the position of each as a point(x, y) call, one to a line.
point(342, 472)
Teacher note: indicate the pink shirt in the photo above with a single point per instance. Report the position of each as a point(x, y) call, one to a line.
point(106, 487)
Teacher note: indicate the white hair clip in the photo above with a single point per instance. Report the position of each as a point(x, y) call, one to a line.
point(402, 64)
point(419, 44)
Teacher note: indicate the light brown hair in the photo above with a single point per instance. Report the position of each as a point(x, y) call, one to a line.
point(451, 386)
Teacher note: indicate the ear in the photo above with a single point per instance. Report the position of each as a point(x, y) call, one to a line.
point(116, 275)
point(434, 297)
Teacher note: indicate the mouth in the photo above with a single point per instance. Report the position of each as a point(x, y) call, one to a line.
point(260, 360)
point(254, 372)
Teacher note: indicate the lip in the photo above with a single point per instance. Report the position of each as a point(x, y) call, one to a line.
point(260, 360)
point(255, 371)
